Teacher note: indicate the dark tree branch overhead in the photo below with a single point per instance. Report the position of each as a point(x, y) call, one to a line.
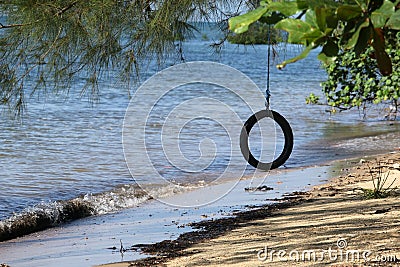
point(52, 43)
point(65, 9)
point(12, 25)
point(59, 13)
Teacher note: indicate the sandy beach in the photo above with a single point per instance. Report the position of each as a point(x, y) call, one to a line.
point(331, 225)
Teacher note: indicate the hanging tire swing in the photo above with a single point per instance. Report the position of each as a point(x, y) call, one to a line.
point(287, 132)
point(280, 121)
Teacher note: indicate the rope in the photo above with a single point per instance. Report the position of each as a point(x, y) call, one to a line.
point(267, 91)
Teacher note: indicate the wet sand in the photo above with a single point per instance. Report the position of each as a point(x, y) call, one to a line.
point(331, 225)
point(96, 240)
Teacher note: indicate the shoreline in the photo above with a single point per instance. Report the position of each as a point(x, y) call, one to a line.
point(35, 219)
point(96, 240)
point(233, 240)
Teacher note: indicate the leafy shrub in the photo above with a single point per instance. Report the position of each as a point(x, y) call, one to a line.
point(354, 80)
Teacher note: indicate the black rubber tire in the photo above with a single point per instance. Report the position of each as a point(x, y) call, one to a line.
point(286, 129)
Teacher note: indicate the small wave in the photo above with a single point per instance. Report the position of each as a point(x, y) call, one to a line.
point(43, 216)
point(122, 197)
point(47, 215)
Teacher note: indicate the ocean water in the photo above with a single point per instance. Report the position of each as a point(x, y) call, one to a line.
point(65, 159)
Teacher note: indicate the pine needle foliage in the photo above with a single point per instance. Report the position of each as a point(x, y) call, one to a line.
point(46, 45)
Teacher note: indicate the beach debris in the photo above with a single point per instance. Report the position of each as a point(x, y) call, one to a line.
point(328, 188)
point(380, 211)
point(122, 249)
point(396, 166)
point(258, 188)
point(298, 193)
point(291, 196)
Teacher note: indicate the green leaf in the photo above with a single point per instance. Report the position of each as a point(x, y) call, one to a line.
point(312, 4)
point(311, 18)
point(287, 8)
point(325, 18)
point(314, 37)
point(331, 21)
point(364, 37)
point(271, 19)
point(296, 29)
point(354, 38)
point(303, 55)
point(347, 12)
point(394, 21)
point(325, 59)
point(374, 5)
point(302, 4)
point(320, 16)
point(382, 58)
point(240, 24)
point(381, 15)
point(330, 49)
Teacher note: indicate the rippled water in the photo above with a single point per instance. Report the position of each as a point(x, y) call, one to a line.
point(64, 148)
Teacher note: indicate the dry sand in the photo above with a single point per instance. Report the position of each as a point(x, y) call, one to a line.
point(333, 223)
